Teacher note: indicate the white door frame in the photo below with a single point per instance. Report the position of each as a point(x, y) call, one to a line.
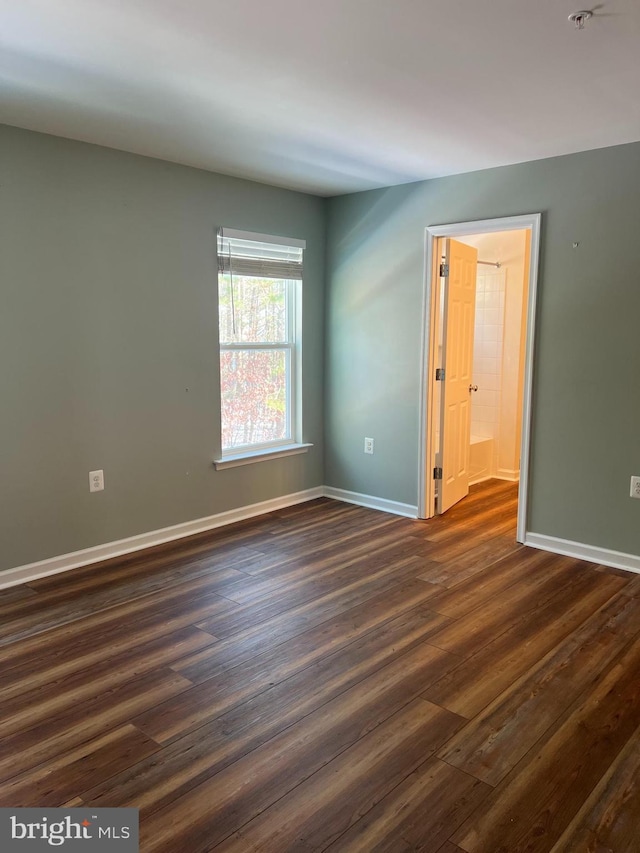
point(426, 483)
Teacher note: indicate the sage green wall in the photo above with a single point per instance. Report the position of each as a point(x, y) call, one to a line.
point(108, 315)
point(586, 421)
point(108, 343)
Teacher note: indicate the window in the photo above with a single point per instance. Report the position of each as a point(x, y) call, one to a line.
point(259, 300)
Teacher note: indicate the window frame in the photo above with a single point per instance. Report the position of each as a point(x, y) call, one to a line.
point(292, 347)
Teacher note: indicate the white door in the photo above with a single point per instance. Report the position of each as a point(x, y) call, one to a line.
point(457, 349)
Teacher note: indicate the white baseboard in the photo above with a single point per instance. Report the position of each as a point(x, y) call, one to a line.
point(76, 559)
point(370, 502)
point(591, 553)
point(508, 474)
point(481, 478)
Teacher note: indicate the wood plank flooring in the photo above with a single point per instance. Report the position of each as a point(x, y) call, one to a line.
point(328, 677)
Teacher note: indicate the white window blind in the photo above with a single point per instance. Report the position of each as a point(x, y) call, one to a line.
point(259, 257)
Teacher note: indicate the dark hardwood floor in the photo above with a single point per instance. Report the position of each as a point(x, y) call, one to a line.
point(333, 678)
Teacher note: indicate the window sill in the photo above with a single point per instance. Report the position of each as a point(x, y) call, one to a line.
point(233, 460)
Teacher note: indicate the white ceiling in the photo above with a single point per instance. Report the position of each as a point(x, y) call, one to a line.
point(328, 96)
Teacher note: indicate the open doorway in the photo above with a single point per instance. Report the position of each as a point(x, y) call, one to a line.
point(480, 292)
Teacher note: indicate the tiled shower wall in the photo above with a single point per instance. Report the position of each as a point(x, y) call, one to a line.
point(487, 353)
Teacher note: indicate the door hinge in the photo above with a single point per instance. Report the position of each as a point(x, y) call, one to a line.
point(444, 270)
point(437, 473)
point(439, 374)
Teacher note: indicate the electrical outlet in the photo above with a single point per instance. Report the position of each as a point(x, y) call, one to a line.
point(635, 487)
point(368, 445)
point(96, 481)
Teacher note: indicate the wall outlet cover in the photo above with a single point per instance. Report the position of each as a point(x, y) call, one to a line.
point(96, 481)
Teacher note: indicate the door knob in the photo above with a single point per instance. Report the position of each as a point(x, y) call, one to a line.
point(473, 388)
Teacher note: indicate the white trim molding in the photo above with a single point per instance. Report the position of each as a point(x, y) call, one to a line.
point(426, 449)
point(510, 474)
point(591, 553)
point(371, 502)
point(475, 481)
point(99, 553)
point(235, 459)
point(87, 556)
